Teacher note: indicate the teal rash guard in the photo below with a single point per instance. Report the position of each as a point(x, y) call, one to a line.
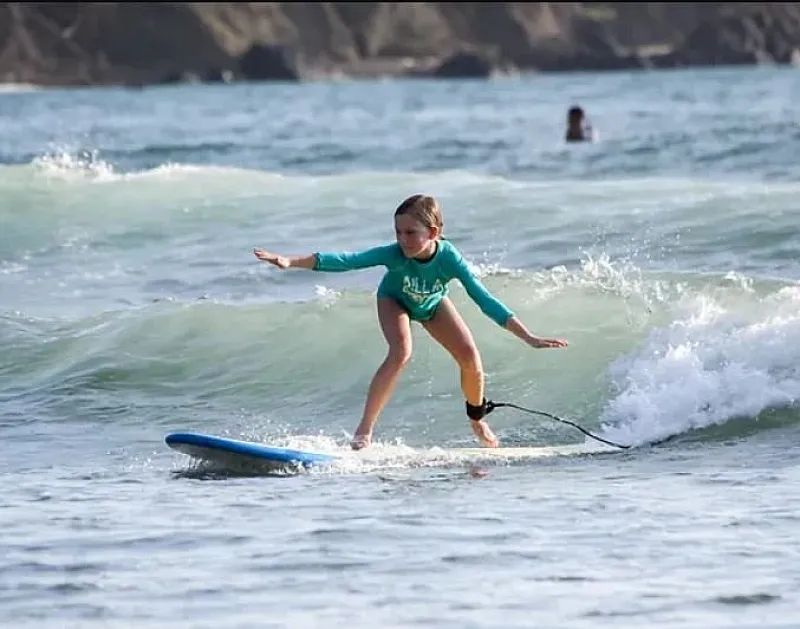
point(418, 286)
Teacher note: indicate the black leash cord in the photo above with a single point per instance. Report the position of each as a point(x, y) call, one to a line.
point(490, 406)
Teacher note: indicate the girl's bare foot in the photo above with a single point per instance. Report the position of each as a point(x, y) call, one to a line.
point(484, 434)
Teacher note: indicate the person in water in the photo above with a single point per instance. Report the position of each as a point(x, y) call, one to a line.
point(578, 127)
point(419, 266)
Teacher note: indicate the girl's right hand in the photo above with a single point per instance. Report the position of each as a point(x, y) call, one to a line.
point(540, 343)
point(273, 258)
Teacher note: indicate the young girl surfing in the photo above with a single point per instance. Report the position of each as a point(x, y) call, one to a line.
point(419, 266)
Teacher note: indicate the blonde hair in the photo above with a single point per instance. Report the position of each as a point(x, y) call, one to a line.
point(424, 209)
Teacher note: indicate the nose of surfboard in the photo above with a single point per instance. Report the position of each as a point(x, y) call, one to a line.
point(211, 448)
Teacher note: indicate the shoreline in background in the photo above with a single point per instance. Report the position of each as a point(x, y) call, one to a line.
point(139, 44)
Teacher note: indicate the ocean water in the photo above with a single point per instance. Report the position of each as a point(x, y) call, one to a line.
point(131, 306)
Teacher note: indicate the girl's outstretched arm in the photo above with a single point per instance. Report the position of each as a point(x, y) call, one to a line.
point(286, 262)
point(496, 310)
point(385, 255)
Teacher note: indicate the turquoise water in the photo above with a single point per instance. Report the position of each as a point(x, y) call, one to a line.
point(131, 306)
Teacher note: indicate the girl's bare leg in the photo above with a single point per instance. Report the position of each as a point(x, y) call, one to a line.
point(396, 327)
point(449, 330)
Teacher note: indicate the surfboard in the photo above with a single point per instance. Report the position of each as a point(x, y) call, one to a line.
point(528, 452)
point(226, 451)
point(222, 449)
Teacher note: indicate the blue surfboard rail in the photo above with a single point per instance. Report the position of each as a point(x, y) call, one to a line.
point(209, 447)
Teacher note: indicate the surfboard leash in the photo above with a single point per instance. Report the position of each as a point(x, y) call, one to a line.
point(490, 406)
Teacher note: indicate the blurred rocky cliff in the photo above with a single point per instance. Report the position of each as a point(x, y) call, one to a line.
point(137, 43)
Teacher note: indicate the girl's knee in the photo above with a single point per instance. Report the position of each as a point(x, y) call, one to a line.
point(399, 355)
point(468, 358)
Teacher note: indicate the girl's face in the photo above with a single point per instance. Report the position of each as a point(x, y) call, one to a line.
point(415, 239)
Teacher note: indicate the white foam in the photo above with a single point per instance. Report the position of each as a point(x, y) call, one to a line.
point(395, 454)
point(717, 362)
point(14, 88)
point(327, 295)
point(176, 171)
point(65, 164)
point(487, 269)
